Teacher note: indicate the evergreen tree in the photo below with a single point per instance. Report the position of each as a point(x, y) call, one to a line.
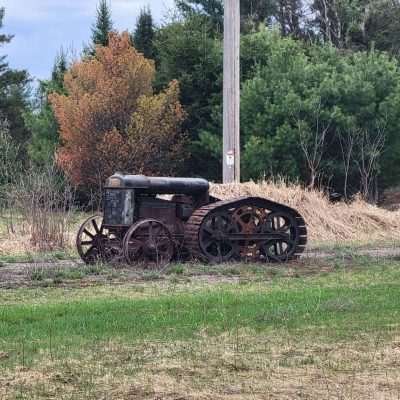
point(143, 37)
point(3, 38)
point(382, 27)
point(13, 93)
point(59, 69)
point(103, 25)
point(253, 12)
point(41, 121)
point(189, 52)
point(214, 9)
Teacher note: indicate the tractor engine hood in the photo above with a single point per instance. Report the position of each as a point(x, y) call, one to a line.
point(159, 185)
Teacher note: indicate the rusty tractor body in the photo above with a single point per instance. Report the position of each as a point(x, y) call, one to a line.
point(140, 226)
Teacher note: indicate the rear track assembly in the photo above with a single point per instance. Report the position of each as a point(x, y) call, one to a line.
point(247, 229)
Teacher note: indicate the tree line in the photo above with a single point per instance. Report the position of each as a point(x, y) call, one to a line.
point(319, 104)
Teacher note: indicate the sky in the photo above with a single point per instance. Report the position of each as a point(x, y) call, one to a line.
point(42, 27)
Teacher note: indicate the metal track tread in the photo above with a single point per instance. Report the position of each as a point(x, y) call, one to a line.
point(194, 224)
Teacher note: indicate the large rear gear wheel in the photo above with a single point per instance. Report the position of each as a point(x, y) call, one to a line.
point(95, 244)
point(149, 245)
point(249, 219)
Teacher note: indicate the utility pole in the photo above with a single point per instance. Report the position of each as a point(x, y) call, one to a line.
point(231, 140)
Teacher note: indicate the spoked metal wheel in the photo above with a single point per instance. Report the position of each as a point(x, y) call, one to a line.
point(214, 237)
point(96, 244)
point(281, 243)
point(149, 244)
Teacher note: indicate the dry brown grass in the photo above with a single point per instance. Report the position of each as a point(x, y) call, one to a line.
point(357, 222)
point(20, 243)
point(16, 235)
point(241, 365)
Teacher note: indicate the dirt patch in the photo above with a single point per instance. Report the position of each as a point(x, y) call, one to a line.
point(74, 273)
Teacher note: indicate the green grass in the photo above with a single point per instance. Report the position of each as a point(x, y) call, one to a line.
point(315, 331)
point(332, 307)
point(313, 311)
point(29, 257)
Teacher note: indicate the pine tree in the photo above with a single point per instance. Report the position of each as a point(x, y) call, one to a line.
point(41, 120)
point(3, 38)
point(214, 9)
point(253, 12)
point(13, 93)
point(59, 69)
point(143, 37)
point(103, 25)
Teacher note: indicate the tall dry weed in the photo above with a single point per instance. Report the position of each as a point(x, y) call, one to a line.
point(341, 222)
point(40, 205)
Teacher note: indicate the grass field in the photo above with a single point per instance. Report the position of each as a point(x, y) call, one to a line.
point(316, 333)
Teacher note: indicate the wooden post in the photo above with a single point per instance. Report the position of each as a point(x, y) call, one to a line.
point(231, 130)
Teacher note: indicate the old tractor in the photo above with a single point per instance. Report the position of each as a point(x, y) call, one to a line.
point(151, 221)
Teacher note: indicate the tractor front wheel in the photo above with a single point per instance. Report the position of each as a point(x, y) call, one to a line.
point(95, 244)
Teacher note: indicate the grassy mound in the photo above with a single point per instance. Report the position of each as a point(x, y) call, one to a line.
point(357, 222)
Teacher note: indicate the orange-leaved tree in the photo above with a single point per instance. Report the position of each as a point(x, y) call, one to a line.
point(110, 120)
